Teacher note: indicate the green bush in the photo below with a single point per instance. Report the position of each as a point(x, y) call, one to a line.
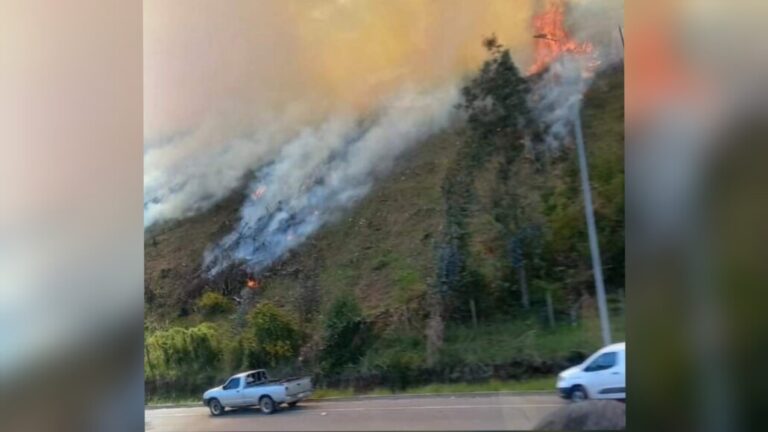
point(347, 334)
point(273, 336)
point(212, 303)
point(183, 360)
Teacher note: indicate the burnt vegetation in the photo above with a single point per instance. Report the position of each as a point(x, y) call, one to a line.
point(468, 262)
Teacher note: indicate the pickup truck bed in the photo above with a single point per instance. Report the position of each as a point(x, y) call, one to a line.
point(297, 389)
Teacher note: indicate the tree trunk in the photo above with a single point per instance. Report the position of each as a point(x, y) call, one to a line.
point(149, 360)
point(523, 286)
point(574, 312)
point(474, 313)
point(435, 329)
point(622, 301)
point(550, 309)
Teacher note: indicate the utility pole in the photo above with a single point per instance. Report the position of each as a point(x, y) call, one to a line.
point(594, 248)
point(597, 266)
point(621, 33)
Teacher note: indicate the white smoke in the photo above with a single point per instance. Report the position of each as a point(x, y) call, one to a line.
point(188, 173)
point(305, 162)
point(323, 171)
point(557, 93)
point(213, 70)
point(556, 96)
point(598, 22)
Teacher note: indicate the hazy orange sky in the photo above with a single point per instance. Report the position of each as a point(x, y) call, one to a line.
point(236, 61)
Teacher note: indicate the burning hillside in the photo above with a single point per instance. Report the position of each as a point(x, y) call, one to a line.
point(553, 39)
point(384, 209)
point(561, 72)
point(311, 152)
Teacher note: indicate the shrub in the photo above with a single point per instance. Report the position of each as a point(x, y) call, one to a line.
point(275, 335)
point(212, 303)
point(182, 359)
point(346, 334)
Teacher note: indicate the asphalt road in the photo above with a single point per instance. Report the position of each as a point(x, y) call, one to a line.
point(460, 412)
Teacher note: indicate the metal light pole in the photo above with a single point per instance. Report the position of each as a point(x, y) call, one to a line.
point(594, 248)
point(597, 266)
point(621, 33)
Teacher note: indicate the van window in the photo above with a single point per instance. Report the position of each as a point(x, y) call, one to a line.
point(232, 384)
point(602, 362)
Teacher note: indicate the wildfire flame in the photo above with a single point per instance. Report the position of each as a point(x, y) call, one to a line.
point(252, 283)
point(552, 38)
point(259, 192)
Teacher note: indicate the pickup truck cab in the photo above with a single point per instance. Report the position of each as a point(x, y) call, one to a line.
point(255, 388)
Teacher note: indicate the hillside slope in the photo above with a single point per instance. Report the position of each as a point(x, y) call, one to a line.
point(383, 250)
point(385, 241)
point(384, 254)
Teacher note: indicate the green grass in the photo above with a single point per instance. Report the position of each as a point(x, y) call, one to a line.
point(534, 384)
point(172, 400)
point(499, 342)
point(492, 343)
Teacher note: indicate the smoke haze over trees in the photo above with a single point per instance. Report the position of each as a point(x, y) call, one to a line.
point(403, 208)
point(424, 278)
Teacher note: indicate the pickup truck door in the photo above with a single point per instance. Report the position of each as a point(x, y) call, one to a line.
point(251, 394)
point(231, 394)
point(253, 388)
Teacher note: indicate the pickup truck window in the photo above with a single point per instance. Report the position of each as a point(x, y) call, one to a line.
point(232, 384)
point(256, 378)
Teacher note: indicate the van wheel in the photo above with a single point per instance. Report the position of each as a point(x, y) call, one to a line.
point(267, 405)
point(292, 404)
point(216, 407)
point(578, 393)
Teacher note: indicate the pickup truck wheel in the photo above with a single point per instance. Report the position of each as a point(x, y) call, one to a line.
point(216, 407)
point(267, 405)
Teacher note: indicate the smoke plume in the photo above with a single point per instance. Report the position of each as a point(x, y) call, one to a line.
point(304, 102)
point(323, 171)
point(227, 86)
point(556, 96)
point(574, 41)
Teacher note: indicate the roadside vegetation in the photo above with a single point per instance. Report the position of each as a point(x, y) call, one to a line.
point(493, 385)
point(466, 269)
point(542, 384)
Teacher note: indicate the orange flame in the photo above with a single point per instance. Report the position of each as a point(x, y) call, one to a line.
point(253, 283)
point(552, 39)
point(259, 192)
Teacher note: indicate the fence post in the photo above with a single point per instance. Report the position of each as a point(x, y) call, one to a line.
point(550, 309)
point(622, 299)
point(474, 313)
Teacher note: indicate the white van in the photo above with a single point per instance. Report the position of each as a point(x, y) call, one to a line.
point(601, 376)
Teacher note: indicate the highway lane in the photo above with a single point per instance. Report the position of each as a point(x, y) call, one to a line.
point(459, 412)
